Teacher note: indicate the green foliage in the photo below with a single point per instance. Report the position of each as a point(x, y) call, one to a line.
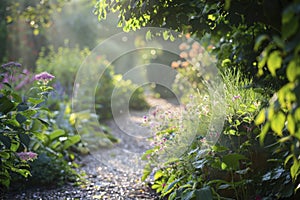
point(231, 168)
point(232, 29)
point(28, 129)
point(36, 13)
point(65, 62)
point(281, 117)
point(261, 40)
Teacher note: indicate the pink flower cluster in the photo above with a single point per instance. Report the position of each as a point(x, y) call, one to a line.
point(27, 156)
point(191, 53)
point(44, 76)
point(11, 64)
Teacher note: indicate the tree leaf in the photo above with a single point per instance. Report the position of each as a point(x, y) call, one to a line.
point(274, 62)
point(290, 27)
point(259, 41)
point(261, 117)
point(263, 133)
point(291, 124)
point(292, 71)
point(277, 123)
point(295, 169)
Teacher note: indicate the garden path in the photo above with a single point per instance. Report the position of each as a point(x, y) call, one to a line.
point(112, 173)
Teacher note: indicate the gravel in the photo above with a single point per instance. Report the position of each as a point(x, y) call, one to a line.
point(111, 173)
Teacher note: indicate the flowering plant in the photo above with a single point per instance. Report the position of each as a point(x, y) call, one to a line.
point(26, 127)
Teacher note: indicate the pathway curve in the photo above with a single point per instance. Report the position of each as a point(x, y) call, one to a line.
point(112, 173)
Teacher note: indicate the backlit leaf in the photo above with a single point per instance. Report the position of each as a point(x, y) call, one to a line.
point(263, 133)
point(277, 123)
point(292, 71)
point(291, 124)
point(55, 134)
point(71, 141)
point(261, 117)
point(274, 62)
point(295, 169)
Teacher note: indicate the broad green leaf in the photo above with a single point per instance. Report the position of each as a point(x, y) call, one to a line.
point(35, 101)
point(22, 107)
point(20, 118)
point(4, 155)
point(158, 174)
point(188, 194)
point(166, 35)
point(278, 122)
point(5, 105)
point(204, 193)
point(24, 139)
point(263, 133)
point(223, 166)
point(290, 27)
point(29, 113)
point(55, 134)
point(55, 145)
point(297, 134)
point(292, 71)
point(170, 180)
point(291, 124)
point(295, 169)
point(297, 115)
point(17, 97)
point(284, 139)
point(259, 41)
point(71, 141)
point(14, 145)
point(232, 160)
point(261, 117)
point(5, 140)
point(218, 148)
point(274, 62)
point(172, 185)
point(287, 159)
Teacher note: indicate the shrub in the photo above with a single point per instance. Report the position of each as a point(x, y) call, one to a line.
point(65, 62)
point(27, 128)
point(234, 167)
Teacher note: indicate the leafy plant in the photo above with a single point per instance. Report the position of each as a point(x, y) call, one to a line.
point(65, 62)
point(27, 129)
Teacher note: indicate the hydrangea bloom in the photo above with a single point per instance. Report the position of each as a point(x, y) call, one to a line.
point(25, 156)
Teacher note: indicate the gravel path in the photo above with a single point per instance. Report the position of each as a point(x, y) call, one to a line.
point(112, 173)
